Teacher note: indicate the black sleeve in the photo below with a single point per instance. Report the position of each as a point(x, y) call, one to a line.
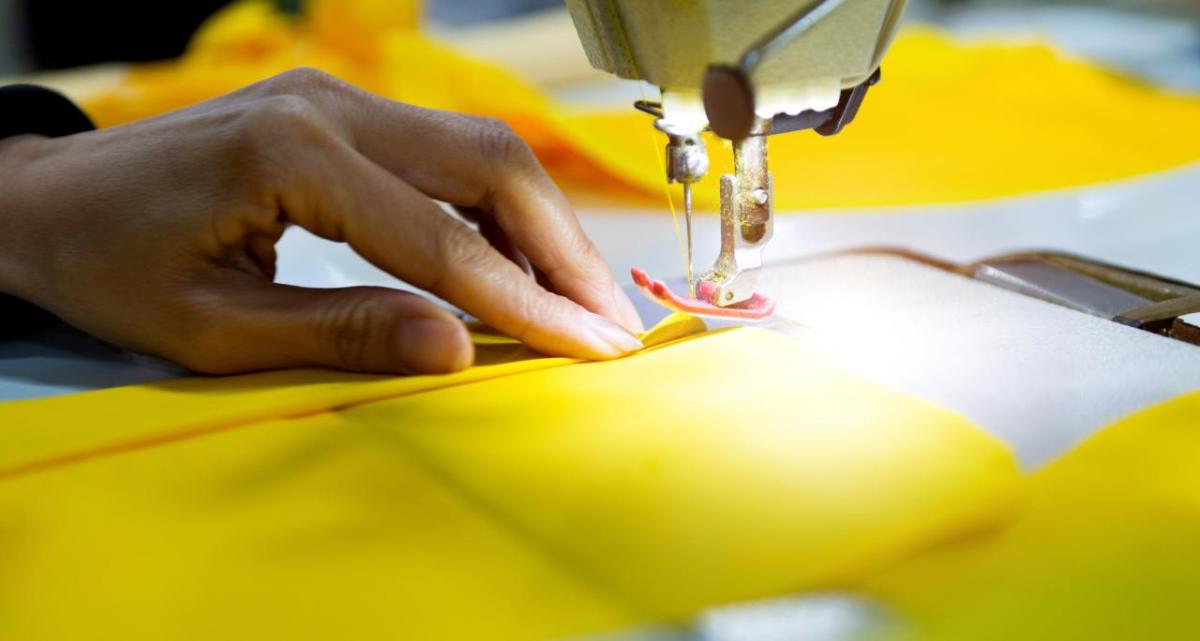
point(28, 109)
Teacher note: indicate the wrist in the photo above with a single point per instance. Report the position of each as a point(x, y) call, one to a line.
point(30, 117)
point(19, 235)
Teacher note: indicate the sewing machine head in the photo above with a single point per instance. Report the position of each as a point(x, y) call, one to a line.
point(745, 70)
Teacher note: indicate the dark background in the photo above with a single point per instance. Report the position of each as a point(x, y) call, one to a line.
point(1157, 39)
point(57, 34)
point(63, 33)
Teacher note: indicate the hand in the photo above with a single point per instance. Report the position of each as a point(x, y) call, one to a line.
point(160, 236)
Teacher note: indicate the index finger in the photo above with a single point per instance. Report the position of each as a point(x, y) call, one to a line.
point(339, 194)
point(480, 162)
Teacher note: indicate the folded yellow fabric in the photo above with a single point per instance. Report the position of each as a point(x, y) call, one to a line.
point(51, 431)
point(560, 499)
point(1106, 549)
point(951, 121)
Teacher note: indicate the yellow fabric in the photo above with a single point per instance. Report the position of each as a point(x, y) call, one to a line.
point(556, 499)
point(1106, 549)
point(47, 431)
point(951, 121)
point(734, 466)
point(301, 529)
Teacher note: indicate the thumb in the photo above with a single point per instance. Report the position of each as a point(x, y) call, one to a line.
point(361, 329)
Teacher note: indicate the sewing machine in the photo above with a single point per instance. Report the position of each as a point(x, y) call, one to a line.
point(746, 71)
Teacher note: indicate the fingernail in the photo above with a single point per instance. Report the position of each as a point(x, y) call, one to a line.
point(434, 346)
point(610, 337)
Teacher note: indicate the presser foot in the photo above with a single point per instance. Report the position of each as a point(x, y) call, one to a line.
point(757, 307)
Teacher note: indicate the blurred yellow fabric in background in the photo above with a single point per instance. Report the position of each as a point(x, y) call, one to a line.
point(950, 122)
point(540, 498)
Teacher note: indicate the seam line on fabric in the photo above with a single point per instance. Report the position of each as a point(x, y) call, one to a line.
point(134, 444)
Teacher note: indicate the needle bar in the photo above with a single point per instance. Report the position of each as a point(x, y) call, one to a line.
point(687, 214)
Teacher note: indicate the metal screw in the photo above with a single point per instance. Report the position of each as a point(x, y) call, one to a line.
point(761, 196)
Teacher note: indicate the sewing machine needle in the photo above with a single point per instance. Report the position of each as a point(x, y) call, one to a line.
point(687, 215)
